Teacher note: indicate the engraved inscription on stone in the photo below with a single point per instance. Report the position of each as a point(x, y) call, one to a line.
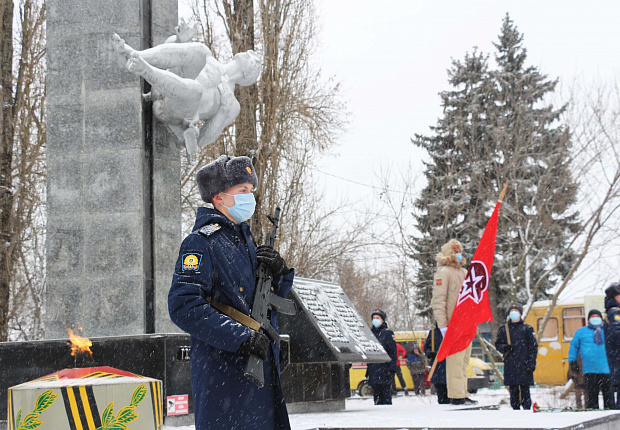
point(336, 316)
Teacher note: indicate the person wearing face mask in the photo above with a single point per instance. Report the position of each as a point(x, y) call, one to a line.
point(588, 343)
point(612, 338)
point(381, 375)
point(211, 298)
point(517, 342)
point(447, 284)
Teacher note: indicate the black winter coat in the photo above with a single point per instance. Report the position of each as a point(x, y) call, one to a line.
point(439, 377)
point(612, 339)
point(520, 362)
point(383, 373)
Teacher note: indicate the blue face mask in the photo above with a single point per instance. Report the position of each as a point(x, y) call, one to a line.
point(514, 315)
point(244, 206)
point(376, 323)
point(459, 257)
point(596, 321)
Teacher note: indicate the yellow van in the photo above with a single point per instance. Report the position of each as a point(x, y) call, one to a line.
point(567, 317)
point(479, 373)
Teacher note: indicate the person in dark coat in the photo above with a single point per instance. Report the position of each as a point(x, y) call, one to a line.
point(381, 375)
point(213, 282)
point(588, 343)
point(431, 347)
point(416, 363)
point(612, 339)
point(517, 342)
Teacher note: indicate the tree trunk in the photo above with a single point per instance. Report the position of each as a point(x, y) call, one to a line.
point(242, 32)
point(6, 157)
point(241, 22)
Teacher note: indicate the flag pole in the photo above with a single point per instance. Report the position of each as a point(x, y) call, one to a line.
point(430, 374)
point(502, 194)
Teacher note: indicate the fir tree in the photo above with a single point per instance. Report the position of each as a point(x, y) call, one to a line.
point(498, 127)
point(447, 207)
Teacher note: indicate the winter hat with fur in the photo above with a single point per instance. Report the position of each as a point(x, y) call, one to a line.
point(613, 290)
point(517, 306)
point(447, 256)
point(379, 312)
point(223, 173)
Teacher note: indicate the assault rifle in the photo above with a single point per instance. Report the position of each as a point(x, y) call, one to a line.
point(264, 300)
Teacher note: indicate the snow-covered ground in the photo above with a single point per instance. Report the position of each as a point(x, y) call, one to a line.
point(418, 411)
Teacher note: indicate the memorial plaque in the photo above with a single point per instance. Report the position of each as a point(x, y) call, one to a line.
point(328, 328)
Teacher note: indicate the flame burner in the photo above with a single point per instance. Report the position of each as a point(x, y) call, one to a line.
point(159, 356)
point(83, 359)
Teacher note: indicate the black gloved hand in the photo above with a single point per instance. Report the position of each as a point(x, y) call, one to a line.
point(507, 349)
point(256, 344)
point(272, 259)
point(529, 370)
point(431, 356)
point(574, 367)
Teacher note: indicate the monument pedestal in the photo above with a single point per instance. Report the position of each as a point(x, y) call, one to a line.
point(114, 205)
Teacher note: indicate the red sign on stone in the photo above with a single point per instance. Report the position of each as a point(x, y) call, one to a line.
point(177, 405)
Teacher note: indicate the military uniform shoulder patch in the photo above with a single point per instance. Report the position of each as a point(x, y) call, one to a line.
point(208, 230)
point(438, 281)
point(617, 317)
point(191, 261)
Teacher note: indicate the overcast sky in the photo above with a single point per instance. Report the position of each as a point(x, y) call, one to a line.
point(391, 57)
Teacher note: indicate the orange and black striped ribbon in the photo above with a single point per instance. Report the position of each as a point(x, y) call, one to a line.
point(101, 375)
point(81, 408)
point(158, 417)
point(10, 411)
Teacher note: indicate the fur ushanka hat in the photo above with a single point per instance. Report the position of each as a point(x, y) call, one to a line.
point(379, 312)
point(223, 173)
point(517, 306)
point(447, 256)
point(613, 290)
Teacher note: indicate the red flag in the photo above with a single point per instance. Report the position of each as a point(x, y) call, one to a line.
point(472, 306)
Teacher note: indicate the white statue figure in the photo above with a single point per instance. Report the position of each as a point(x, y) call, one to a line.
point(190, 86)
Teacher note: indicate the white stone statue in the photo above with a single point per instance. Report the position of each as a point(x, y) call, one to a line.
point(189, 86)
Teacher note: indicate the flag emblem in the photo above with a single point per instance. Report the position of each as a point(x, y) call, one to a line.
point(476, 283)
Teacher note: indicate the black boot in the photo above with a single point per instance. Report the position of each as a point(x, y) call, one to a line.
point(465, 401)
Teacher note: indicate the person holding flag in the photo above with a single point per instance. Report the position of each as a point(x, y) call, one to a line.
point(459, 308)
point(447, 284)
